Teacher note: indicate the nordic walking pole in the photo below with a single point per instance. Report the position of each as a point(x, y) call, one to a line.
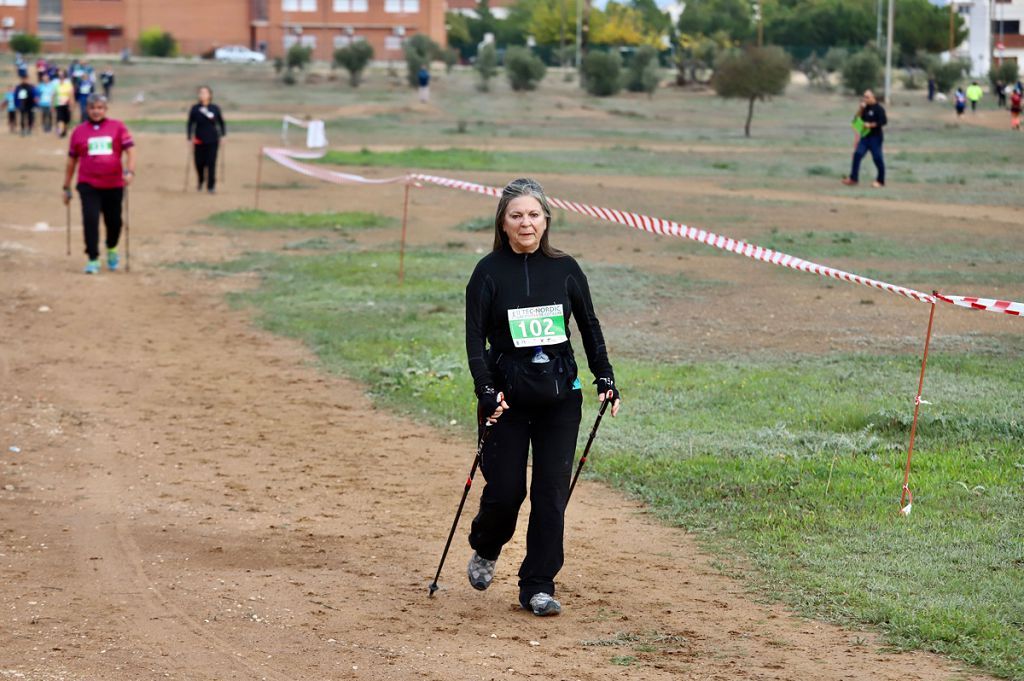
point(586, 450)
point(465, 493)
point(127, 232)
point(68, 231)
point(223, 162)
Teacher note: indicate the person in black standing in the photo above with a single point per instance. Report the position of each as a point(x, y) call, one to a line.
point(873, 115)
point(107, 81)
point(518, 302)
point(25, 98)
point(205, 130)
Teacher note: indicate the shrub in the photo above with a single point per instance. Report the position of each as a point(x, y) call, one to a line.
point(419, 50)
point(487, 65)
point(643, 73)
point(835, 59)
point(26, 43)
point(297, 57)
point(289, 78)
point(911, 79)
point(156, 42)
point(949, 74)
point(602, 73)
point(1007, 73)
point(278, 65)
point(451, 58)
point(524, 69)
point(354, 58)
point(862, 71)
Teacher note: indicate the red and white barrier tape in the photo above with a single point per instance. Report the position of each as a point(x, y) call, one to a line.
point(653, 225)
point(987, 304)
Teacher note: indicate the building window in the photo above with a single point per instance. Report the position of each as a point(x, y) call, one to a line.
point(298, 5)
point(402, 6)
point(291, 39)
point(1006, 27)
point(393, 43)
point(51, 29)
point(350, 6)
point(13, 3)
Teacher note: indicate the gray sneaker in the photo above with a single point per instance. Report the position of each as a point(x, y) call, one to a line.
point(544, 605)
point(480, 571)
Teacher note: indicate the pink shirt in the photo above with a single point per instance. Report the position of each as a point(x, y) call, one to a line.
point(98, 147)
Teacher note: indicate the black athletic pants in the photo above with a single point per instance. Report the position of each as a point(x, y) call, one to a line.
point(47, 118)
point(552, 430)
point(27, 119)
point(206, 164)
point(94, 202)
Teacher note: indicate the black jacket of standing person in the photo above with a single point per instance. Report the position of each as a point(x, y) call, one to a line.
point(875, 113)
point(206, 123)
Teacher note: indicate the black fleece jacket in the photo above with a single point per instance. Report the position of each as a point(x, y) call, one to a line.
point(505, 280)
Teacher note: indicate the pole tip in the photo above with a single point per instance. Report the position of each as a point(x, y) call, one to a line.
point(433, 588)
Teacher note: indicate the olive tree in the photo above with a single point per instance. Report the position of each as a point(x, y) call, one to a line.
point(753, 74)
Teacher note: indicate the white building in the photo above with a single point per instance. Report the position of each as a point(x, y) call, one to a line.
point(994, 33)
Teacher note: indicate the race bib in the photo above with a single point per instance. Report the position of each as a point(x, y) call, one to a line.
point(22, 94)
point(101, 146)
point(532, 326)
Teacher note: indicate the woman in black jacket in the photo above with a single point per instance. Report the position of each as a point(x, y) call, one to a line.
point(205, 129)
point(518, 305)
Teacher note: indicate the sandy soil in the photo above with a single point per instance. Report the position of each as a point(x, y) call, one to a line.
point(191, 498)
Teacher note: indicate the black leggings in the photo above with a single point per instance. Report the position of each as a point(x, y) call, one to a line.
point(94, 202)
point(206, 164)
point(552, 429)
point(47, 118)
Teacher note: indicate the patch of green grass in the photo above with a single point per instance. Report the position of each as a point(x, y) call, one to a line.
point(794, 465)
point(480, 224)
point(623, 660)
point(266, 220)
point(820, 171)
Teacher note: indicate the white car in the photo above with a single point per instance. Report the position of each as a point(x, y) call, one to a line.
point(238, 54)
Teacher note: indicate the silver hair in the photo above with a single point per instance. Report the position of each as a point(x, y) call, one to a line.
point(95, 98)
point(523, 186)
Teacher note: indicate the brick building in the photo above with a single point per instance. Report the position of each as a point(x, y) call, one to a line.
point(106, 26)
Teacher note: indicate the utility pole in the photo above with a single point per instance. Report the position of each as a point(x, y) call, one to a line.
point(878, 23)
point(760, 23)
point(888, 54)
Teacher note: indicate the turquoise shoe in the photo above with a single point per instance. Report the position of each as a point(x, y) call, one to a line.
point(113, 259)
point(92, 267)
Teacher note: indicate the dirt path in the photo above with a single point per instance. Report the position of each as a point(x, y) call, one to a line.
point(190, 498)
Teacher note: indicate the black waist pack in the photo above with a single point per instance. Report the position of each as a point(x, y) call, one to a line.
point(537, 383)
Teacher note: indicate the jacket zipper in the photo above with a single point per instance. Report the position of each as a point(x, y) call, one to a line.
point(526, 271)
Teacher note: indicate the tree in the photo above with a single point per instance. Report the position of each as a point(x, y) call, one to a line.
point(862, 71)
point(353, 58)
point(1006, 73)
point(487, 65)
point(755, 73)
point(921, 25)
point(26, 43)
point(655, 20)
point(156, 42)
point(457, 28)
point(619, 25)
point(707, 17)
point(949, 74)
point(642, 74)
point(697, 55)
point(524, 69)
point(419, 50)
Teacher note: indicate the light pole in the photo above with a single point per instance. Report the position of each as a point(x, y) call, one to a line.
point(888, 54)
point(579, 31)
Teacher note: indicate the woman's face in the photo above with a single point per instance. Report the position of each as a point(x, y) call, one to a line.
point(205, 96)
point(525, 224)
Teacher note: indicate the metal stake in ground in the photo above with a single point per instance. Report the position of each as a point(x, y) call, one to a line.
point(586, 450)
point(905, 510)
point(259, 176)
point(188, 162)
point(401, 247)
point(465, 493)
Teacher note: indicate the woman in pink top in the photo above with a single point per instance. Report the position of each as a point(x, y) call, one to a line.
point(96, 148)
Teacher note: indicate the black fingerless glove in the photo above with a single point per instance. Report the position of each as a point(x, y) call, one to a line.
point(486, 402)
point(606, 384)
